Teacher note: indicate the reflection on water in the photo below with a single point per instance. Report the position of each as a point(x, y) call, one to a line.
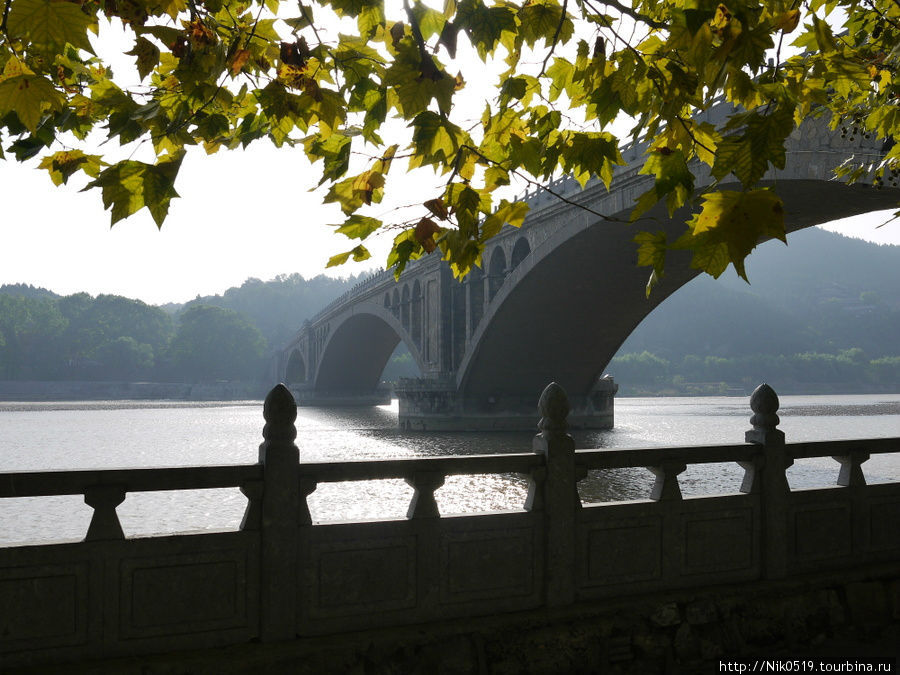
point(48, 436)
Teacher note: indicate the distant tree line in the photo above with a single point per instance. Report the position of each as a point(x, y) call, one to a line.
point(646, 372)
point(114, 338)
point(44, 336)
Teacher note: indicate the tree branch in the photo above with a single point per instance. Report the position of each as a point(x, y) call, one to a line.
point(562, 18)
point(543, 187)
point(5, 15)
point(637, 16)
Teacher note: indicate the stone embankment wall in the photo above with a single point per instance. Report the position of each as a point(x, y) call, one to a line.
point(15, 390)
point(674, 633)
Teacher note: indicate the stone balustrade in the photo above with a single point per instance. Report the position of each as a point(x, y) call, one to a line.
point(282, 576)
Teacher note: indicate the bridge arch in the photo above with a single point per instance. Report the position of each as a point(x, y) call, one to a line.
point(395, 303)
point(358, 347)
point(520, 251)
point(587, 294)
point(475, 282)
point(496, 271)
point(404, 308)
point(417, 315)
point(295, 371)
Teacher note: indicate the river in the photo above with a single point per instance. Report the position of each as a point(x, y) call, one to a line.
point(115, 434)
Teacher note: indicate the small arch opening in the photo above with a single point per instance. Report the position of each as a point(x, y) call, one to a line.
point(295, 373)
point(520, 251)
point(404, 308)
point(496, 272)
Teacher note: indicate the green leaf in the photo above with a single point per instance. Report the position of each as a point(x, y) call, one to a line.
point(748, 156)
point(49, 24)
point(540, 19)
point(674, 181)
point(359, 227)
point(359, 254)
point(485, 26)
point(147, 55)
point(507, 213)
point(130, 185)
point(729, 227)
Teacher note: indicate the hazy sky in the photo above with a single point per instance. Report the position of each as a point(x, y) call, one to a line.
point(242, 213)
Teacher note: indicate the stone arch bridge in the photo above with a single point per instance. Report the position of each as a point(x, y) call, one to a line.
point(553, 302)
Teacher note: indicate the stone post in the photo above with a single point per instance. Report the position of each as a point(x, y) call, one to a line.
point(852, 478)
point(423, 503)
point(766, 476)
point(105, 523)
point(279, 523)
point(560, 496)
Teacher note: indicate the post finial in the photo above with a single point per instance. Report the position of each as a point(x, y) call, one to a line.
point(764, 404)
point(554, 408)
point(280, 412)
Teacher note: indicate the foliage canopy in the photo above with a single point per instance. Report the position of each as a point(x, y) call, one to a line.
point(366, 87)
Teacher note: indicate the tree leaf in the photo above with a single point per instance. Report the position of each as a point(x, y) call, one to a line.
point(729, 227)
point(49, 24)
point(61, 165)
point(29, 96)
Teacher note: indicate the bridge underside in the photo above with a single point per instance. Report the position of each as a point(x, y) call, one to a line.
point(566, 317)
point(351, 367)
point(570, 309)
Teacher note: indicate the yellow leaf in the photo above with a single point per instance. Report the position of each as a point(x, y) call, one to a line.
point(722, 17)
point(29, 96)
point(787, 21)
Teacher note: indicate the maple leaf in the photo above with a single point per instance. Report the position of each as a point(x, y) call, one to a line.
point(424, 234)
point(147, 55)
point(61, 165)
point(729, 227)
point(50, 25)
point(28, 95)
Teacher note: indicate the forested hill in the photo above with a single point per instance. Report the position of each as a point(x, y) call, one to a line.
point(44, 336)
point(817, 312)
point(277, 307)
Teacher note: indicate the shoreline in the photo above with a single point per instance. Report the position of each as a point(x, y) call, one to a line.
point(33, 391)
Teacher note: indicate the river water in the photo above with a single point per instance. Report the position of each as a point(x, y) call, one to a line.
point(116, 434)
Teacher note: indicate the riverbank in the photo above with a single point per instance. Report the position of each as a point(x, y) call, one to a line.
point(25, 390)
point(786, 388)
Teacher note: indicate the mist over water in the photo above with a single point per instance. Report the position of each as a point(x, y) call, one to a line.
point(117, 434)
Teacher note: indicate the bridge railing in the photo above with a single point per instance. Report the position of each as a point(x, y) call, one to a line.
point(283, 575)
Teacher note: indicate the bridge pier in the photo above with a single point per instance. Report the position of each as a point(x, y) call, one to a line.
point(435, 405)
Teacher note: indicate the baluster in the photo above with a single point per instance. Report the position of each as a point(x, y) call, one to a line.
point(105, 521)
point(253, 491)
point(534, 500)
point(665, 487)
point(423, 504)
point(851, 474)
point(769, 479)
point(560, 495)
point(307, 485)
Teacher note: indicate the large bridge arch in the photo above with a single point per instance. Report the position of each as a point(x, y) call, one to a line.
point(586, 294)
point(358, 347)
